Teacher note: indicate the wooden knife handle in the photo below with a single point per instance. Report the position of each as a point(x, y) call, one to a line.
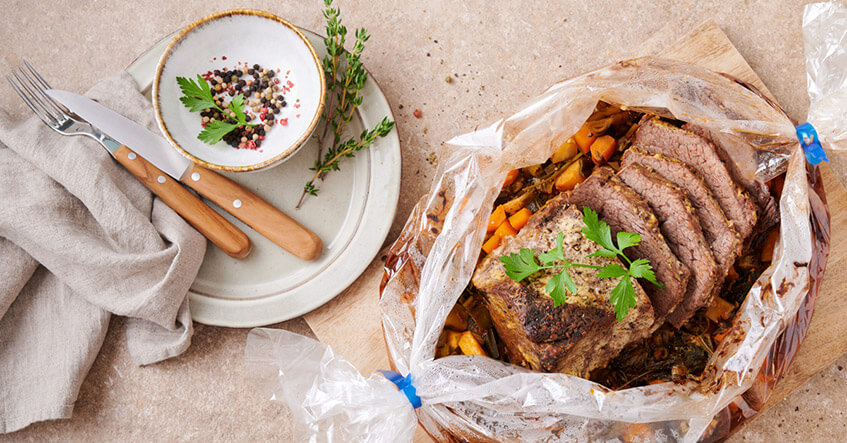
point(211, 224)
point(257, 213)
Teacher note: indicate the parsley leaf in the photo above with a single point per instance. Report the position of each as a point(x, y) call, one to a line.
point(548, 258)
point(215, 131)
point(613, 270)
point(558, 287)
point(627, 239)
point(520, 266)
point(623, 298)
point(237, 106)
point(641, 268)
point(196, 96)
point(596, 230)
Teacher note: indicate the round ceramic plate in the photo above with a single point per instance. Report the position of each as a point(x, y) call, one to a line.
point(352, 214)
point(199, 49)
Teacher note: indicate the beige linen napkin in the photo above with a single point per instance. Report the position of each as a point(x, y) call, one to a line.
point(81, 239)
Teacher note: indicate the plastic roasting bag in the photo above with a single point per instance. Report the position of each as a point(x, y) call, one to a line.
point(481, 399)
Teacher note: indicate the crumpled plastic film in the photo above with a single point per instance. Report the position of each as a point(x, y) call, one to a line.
point(825, 41)
point(475, 398)
point(329, 399)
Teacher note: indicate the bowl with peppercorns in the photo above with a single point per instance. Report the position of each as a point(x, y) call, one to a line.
point(239, 90)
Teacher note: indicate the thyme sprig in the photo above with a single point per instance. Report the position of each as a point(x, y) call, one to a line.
point(344, 95)
point(347, 149)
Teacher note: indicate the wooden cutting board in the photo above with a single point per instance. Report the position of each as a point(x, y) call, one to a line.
point(351, 322)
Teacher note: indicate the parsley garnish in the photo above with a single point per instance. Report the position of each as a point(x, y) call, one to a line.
point(198, 97)
point(521, 265)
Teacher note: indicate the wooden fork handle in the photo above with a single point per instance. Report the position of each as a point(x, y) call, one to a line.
point(211, 224)
point(257, 213)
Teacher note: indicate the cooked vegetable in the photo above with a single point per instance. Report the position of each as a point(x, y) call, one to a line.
point(571, 177)
point(491, 244)
point(520, 218)
point(567, 151)
point(505, 229)
point(603, 149)
point(720, 309)
point(456, 320)
point(453, 338)
point(534, 170)
point(498, 216)
point(584, 138)
point(516, 204)
point(511, 176)
point(469, 345)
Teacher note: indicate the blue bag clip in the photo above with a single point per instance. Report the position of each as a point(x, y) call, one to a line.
point(811, 144)
point(404, 384)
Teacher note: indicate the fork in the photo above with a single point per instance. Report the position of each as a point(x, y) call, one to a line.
point(30, 86)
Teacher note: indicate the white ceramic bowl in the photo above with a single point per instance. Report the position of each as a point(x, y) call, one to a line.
point(223, 40)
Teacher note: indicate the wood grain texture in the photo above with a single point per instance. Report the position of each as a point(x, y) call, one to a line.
point(212, 225)
point(255, 212)
point(352, 326)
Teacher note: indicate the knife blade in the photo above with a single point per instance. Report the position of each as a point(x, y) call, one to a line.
point(230, 196)
point(152, 147)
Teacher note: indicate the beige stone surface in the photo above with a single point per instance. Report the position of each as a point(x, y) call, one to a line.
point(499, 54)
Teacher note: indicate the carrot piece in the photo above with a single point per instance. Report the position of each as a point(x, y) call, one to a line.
point(720, 335)
point(584, 138)
point(720, 309)
point(567, 151)
point(498, 216)
point(769, 246)
point(492, 244)
point(511, 177)
point(603, 148)
point(571, 177)
point(505, 229)
point(453, 339)
point(469, 345)
point(520, 218)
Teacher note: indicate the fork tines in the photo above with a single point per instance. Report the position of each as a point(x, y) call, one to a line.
point(30, 86)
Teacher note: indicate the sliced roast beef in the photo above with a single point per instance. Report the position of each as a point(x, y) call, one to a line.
point(721, 236)
point(576, 337)
point(624, 210)
point(658, 137)
point(768, 215)
point(681, 229)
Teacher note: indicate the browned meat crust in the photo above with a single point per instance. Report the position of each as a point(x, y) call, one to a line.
point(576, 337)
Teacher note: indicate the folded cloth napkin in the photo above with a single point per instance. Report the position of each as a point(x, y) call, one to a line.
point(81, 239)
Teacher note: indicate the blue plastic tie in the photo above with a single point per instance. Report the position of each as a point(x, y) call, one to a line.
point(811, 144)
point(404, 384)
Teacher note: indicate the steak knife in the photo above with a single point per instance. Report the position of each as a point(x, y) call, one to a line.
point(232, 197)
